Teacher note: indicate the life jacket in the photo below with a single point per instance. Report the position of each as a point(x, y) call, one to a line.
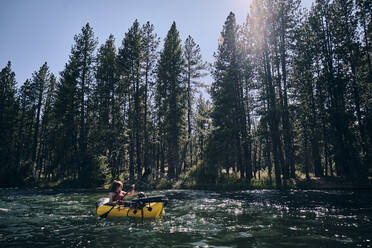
point(118, 196)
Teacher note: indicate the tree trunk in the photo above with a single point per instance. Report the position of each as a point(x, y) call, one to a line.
point(273, 123)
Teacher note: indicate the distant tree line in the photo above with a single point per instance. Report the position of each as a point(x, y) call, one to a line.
point(291, 94)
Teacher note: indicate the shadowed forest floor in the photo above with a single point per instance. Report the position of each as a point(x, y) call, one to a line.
point(226, 183)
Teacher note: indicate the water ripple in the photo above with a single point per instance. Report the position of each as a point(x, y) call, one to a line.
point(257, 218)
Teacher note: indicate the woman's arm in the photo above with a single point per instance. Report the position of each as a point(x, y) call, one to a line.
point(111, 197)
point(132, 192)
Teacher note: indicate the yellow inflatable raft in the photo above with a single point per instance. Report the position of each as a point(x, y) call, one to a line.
point(149, 207)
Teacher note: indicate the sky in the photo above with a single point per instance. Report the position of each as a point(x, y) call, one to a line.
point(36, 31)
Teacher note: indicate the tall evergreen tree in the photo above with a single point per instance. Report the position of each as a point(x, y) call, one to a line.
point(130, 66)
point(8, 118)
point(288, 17)
point(150, 43)
point(194, 70)
point(66, 125)
point(46, 152)
point(171, 98)
point(83, 58)
point(304, 79)
point(40, 81)
point(104, 132)
point(262, 21)
point(202, 127)
point(227, 146)
point(26, 116)
point(364, 16)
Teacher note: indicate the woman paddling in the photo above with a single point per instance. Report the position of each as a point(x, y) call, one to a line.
point(117, 194)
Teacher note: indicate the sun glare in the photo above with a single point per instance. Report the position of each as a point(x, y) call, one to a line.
point(244, 4)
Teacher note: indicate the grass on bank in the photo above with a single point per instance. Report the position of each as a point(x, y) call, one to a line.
point(193, 178)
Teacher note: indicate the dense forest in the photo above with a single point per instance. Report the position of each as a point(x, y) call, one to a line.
point(291, 97)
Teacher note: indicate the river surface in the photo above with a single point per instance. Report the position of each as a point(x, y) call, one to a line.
point(254, 218)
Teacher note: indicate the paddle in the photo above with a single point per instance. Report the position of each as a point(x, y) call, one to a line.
point(107, 213)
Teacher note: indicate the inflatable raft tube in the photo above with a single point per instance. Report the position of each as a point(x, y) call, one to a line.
point(149, 207)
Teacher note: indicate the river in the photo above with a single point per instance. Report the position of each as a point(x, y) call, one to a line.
point(253, 218)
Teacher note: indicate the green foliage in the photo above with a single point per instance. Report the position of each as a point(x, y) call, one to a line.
point(95, 173)
point(230, 142)
point(8, 120)
point(164, 184)
point(194, 68)
point(130, 60)
point(170, 98)
point(290, 98)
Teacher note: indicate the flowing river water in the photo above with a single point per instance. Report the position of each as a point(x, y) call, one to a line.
point(253, 218)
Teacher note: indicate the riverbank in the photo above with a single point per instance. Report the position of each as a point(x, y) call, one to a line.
point(232, 184)
point(327, 183)
point(313, 183)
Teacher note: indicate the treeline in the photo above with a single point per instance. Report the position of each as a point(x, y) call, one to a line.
point(112, 111)
point(291, 94)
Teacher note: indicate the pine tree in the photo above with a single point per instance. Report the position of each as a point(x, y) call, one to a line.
point(288, 19)
point(202, 127)
point(247, 89)
point(104, 98)
point(340, 117)
point(150, 43)
point(304, 79)
point(194, 70)
point(130, 60)
point(263, 23)
point(171, 98)
point(83, 59)
point(47, 135)
point(40, 81)
point(364, 75)
point(25, 124)
point(66, 110)
point(228, 145)
point(8, 117)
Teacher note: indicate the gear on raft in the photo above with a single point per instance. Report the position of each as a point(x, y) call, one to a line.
point(141, 207)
